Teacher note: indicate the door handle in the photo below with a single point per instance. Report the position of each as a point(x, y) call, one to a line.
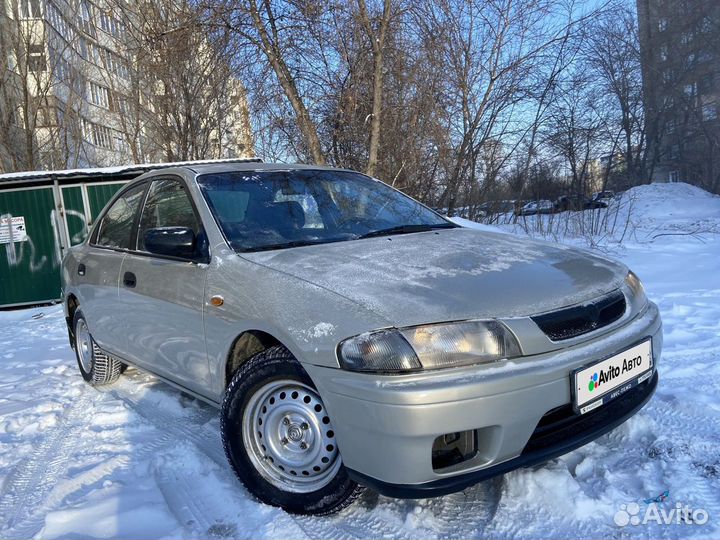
point(81, 269)
point(129, 280)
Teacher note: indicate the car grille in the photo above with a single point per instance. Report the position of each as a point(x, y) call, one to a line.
point(578, 320)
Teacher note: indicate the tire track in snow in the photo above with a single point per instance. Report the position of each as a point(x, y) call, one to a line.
point(190, 507)
point(468, 513)
point(39, 485)
point(32, 523)
point(355, 522)
point(192, 427)
point(33, 478)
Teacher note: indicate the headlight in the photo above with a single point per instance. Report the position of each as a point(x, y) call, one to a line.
point(636, 289)
point(385, 350)
point(429, 347)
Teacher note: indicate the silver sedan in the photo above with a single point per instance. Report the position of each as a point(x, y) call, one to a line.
point(350, 336)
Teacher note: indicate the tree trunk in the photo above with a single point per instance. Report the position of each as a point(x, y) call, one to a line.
point(378, 43)
point(287, 82)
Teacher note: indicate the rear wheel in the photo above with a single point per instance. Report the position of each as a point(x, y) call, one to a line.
point(96, 367)
point(279, 439)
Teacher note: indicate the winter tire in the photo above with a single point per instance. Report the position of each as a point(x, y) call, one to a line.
point(279, 439)
point(96, 367)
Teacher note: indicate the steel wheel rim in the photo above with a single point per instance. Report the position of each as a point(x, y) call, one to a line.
point(83, 345)
point(288, 437)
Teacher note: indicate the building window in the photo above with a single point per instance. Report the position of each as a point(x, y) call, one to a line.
point(113, 63)
point(664, 53)
point(36, 58)
point(709, 111)
point(123, 107)
point(12, 61)
point(98, 95)
point(111, 25)
point(18, 117)
point(685, 38)
point(96, 53)
point(60, 66)
point(85, 17)
point(670, 128)
point(47, 117)
point(662, 24)
point(59, 23)
point(82, 48)
point(29, 9)
point(97, 135)
point(674, 151)
point(690, 89)
point(674, 176)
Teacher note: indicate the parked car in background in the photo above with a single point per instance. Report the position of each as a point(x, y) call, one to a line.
point(600, 199)
point(536, 207)
point(565, 203)
point(497, 207)
point(350, 336)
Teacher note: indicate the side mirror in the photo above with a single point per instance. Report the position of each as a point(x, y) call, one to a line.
point(171, 241)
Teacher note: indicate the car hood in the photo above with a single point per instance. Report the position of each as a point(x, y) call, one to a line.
point(449, 274)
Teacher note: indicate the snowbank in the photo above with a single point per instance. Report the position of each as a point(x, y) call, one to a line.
point(639, 215)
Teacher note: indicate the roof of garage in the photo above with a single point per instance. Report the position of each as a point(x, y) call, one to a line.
point(104, 173)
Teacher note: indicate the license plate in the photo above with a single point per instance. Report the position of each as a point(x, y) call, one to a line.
point(607, 379)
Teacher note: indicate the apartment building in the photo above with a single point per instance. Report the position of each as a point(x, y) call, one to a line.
point(74, 96)
point(680, 51)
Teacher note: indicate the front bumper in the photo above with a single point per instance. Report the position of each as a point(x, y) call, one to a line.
point(385, 425)
point(559, 441)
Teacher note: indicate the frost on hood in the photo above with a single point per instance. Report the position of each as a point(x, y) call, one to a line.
point(447, 275)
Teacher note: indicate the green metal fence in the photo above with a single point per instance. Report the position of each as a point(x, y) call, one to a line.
point(43, 213)
point(35, 225)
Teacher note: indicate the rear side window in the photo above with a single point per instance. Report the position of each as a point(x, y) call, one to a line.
point(167, 205)
point(116, 226)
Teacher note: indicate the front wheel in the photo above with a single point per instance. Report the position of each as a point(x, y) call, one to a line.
point(279, 440)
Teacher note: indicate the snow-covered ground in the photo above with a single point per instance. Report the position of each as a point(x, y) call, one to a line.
point(141, 460)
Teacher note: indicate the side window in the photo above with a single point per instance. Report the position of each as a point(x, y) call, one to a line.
point(167, 205)
point(116, 226)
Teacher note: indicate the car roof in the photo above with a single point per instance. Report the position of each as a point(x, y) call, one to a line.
point(215, 168)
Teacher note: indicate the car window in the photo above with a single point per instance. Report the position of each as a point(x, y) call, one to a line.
point(313, 219)
point(259, 210)
point(116, 226)
point(167, 205)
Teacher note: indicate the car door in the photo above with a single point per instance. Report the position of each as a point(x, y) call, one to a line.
point(163, 297)
point(99, 264)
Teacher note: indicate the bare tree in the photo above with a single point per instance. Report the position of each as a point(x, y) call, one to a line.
point(573, 129)
point(183, 100)
point(491, 48)
point(612, 56)
point(275, 30)
point(377, 42)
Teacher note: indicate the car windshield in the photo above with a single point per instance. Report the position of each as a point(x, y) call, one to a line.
point(262, 210)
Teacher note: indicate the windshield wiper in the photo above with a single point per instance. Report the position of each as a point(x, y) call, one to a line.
point(283, 245)
point(407, 229)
